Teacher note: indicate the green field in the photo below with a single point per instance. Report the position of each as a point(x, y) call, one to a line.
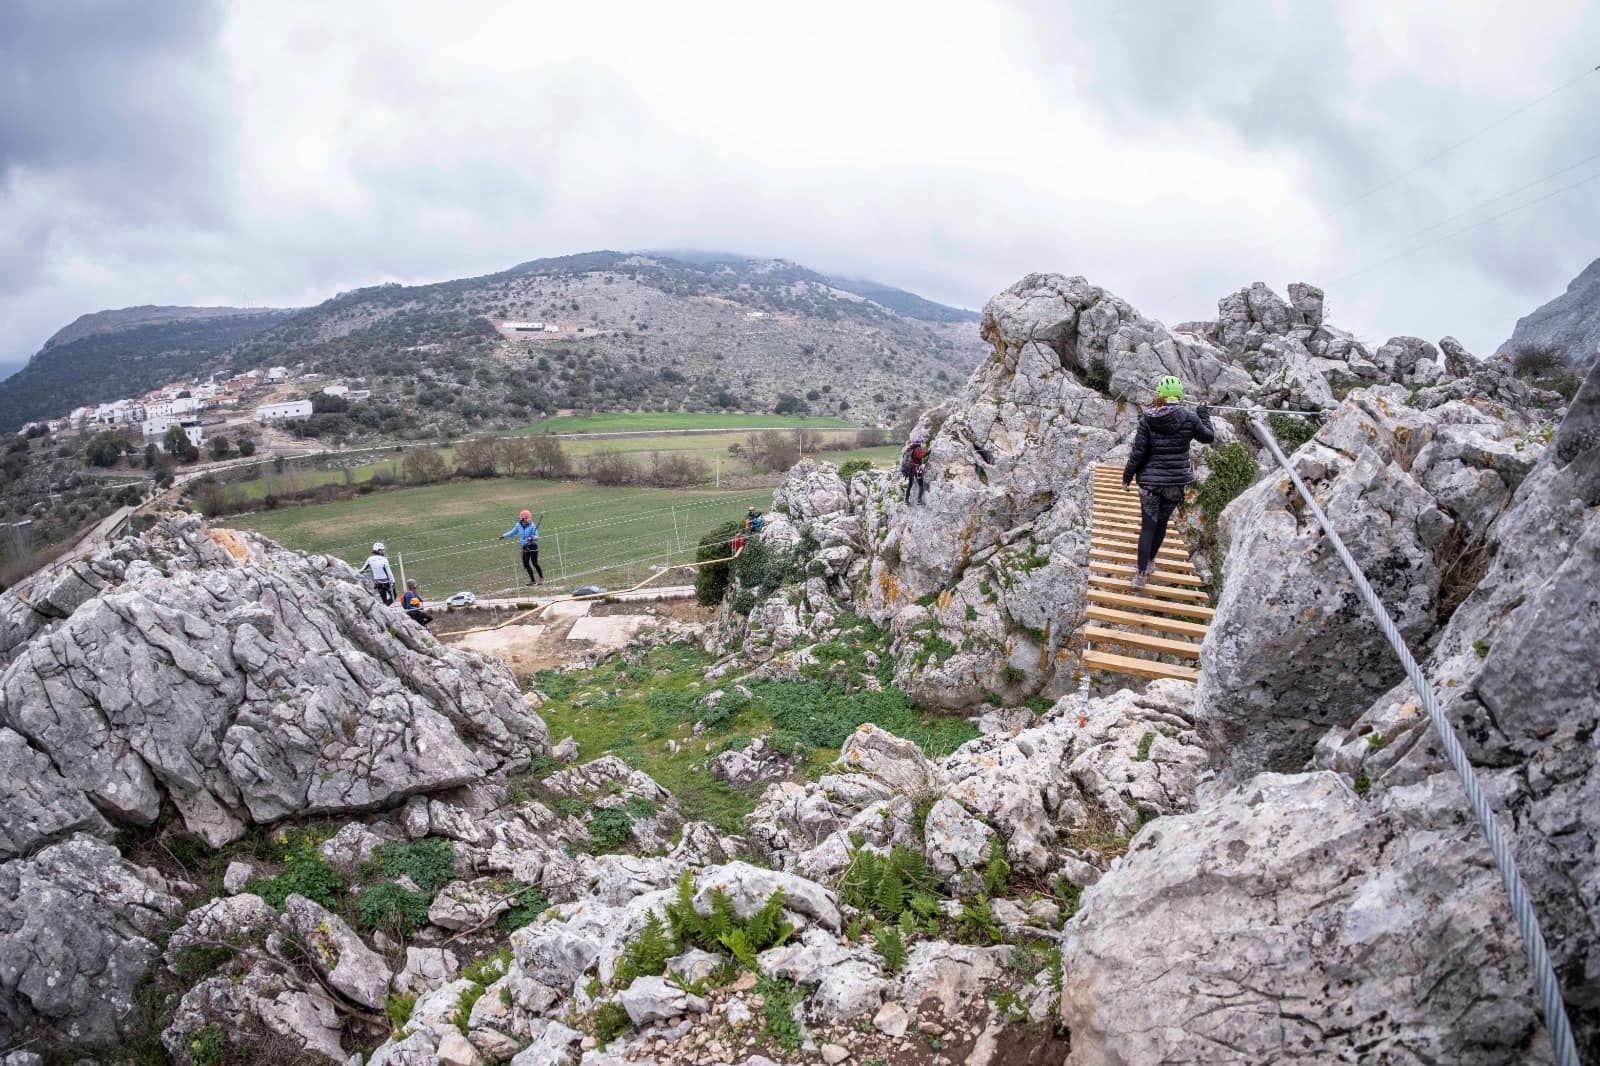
point(444, 535)
point(645, 421)
point(711, 448)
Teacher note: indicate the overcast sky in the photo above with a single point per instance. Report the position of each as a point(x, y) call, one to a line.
point(278, 152)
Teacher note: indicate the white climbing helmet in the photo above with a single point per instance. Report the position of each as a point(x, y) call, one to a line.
point(377, 547)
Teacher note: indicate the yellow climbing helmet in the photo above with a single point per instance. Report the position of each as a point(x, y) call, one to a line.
point(1169, 388)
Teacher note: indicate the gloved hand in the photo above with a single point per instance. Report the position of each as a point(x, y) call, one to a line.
point(1203, 411)
point(1125, 483)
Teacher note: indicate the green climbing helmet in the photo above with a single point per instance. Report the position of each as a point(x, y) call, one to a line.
point(1169, 388)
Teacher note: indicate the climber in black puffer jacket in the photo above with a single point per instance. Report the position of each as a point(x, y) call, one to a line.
point(1160, 460)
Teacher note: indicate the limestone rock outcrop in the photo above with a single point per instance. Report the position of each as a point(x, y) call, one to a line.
point(243, 682)
point(1292, 649)
point(1293, 922)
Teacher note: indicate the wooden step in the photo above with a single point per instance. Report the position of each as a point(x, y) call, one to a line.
point(1145, 603)
point(1164, 563)
point(1186, 649)
point(1120, 553)
point(1145, 621)
point(1165, 577)
point(1163, 592)
point(1117, 541)
point(1171, 548)
point(1124, 664)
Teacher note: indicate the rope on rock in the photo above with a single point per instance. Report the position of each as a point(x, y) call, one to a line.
point(1544, 975)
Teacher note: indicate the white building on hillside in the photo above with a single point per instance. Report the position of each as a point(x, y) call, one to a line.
point(278, 373)
point(278, 412)
point(335, 390)
point(155, 430)
point(177, 407)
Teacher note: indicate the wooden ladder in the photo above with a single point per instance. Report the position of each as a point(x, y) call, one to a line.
point(1164, 621)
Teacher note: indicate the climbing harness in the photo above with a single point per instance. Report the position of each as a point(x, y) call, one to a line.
point(1544, 975)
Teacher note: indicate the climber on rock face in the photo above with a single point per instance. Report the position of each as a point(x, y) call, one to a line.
point(913, 461)
point(411, 602)
point(753, 521)
point(1160, 461)
point(377, 565)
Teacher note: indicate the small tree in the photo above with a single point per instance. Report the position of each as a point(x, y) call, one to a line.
point(104, 449)
point(1536, 359)
point(177, 445)
point(247, 447)
point(424, 466)
point(711, 582)
point(550, 457)
point(515, 456)
point(475, 457)
point(219, 447)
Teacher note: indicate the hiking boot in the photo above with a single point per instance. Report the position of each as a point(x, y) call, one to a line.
point(1140, 577)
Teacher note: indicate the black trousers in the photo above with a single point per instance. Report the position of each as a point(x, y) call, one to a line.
point(1156, 504)
point(422, 618)
point(530, 562)
point(915, 478)
point(385, 591)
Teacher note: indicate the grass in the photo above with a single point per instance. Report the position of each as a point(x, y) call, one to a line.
point(445, 534)
point(643, 421)
point(632, 711)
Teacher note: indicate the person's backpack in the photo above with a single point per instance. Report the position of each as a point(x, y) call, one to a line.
point(907, 467)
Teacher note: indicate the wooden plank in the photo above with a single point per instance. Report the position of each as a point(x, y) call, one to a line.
point(1164, 592)
point(1145, 621)
point(1185, 649)
point(1145, 603)
point(1099, 549)
point(1124, 664)
point(1165, 577)
point(1172, 547)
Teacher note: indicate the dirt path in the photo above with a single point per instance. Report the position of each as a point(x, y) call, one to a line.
point(567, 632)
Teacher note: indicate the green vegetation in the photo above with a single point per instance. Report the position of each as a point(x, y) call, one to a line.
point(1482, 648)
point(646, 955)
point(779, 999)
point(305, 872)
point(527, 904)
point(609, 829)
point(888, 887)
point(446, 534)
point(759, 571)
point(644, 421)
point(610, 1022)
point(208, 1046)
point(631, 710)
point(1233, 469)
point(1145, 743)
point(398, 1007)
point(711, 582)
point(430, 862)
point(393, 908)
point(1363, 785)
point(1292, 430)
point(996, 871)
point(721, 930)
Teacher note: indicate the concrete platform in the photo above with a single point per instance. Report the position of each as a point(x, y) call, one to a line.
point(609, 632)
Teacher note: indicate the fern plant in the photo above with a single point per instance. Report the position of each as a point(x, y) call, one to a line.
point(722, 929)
point(891, 948)
point(997, 871)
point(885, 885)
point(646, 954)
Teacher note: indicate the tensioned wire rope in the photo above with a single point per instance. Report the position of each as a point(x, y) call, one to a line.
point(1551, 1003)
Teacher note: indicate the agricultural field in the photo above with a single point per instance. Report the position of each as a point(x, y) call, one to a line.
point(444, 535)
point(645, 421)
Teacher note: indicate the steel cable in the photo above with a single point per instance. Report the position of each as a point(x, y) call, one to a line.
point(1544, 975)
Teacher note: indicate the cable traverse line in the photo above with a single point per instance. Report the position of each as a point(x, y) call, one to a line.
point(1485, 203)
point(1551, 1003)
point(1464, 229)
point(1441, 153)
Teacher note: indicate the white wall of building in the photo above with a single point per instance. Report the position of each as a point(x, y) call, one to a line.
point(278, 412)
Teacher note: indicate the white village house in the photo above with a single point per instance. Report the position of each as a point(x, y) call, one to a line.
point(278, 412)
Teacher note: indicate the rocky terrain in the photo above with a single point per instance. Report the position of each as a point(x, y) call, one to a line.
point(1568, 325)
point(312, 834)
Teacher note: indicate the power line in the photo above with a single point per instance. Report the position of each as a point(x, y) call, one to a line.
point(1485, 203)
point(1463, 229)
point(1502, 120)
